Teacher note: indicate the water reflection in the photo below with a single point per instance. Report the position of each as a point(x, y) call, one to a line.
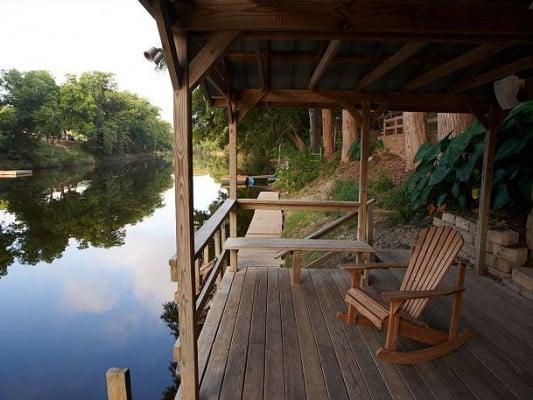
point(93, 208)
point(99, 243)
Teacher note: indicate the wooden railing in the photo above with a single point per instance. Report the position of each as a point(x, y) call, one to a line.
point(297, 205)
point(393, 125)
point(209, 264)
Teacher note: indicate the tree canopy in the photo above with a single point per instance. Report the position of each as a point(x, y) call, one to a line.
point(33, 107)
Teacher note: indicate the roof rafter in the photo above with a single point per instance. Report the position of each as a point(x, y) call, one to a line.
point(209, 55)
point(324, 62)
point(492, 75)
point(464, 60)
point(407, 51)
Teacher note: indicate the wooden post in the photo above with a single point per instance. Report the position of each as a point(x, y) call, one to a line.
point(118, 384)
point(485, 192)
point(327, 134)
point(363, 181)
point(232, 120)
point(184, 224)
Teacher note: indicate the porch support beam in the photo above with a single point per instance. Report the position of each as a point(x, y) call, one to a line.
point(161, 12)
point(350, 100)
point(494, 119)
point(464, 60)
point(184, 224)
point(406, 52)
point(209, 55)
point(232, 121)
point(249, 103)
point(363, 180)
point(324, 63)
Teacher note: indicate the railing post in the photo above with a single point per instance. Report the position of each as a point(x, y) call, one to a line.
point(118, 384)
point(232, 120)
point(218, 251)
point(370, 223)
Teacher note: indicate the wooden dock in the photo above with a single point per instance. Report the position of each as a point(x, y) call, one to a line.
point(16, 173)
point(264, 339)
point(264, 224)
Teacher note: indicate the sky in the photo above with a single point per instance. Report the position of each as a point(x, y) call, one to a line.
point(74, 36)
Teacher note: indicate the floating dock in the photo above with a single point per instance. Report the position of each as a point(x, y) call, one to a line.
point(17, 173)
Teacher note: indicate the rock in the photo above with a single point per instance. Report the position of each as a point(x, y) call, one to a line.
point(439, 222)
point(449, 218)
point(523, 276)
point(462, 223)
point(503, 238)
point(468, 237)
point(505, 266)
point(512, 254)
point(498, 273)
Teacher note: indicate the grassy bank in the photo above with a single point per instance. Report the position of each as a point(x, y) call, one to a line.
point(45, 155)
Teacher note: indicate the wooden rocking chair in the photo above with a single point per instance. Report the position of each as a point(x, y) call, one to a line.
point(432, 255)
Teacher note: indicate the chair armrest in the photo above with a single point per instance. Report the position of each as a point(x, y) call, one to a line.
point(403, 295)
point(372, 265)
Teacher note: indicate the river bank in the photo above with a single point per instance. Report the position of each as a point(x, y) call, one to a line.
point(47, 155)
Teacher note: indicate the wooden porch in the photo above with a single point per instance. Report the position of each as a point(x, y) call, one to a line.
point(264, 339)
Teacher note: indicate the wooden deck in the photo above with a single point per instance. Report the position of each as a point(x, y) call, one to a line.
point(264, 224)
point(265, 340)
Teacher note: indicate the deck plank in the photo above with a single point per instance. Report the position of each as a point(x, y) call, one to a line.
point(328, 361)
point(232, 384)
point(315, 383)
point(212, 381)
point(350, 370)
point(253, 382)
point(292, 364)
point(274, 385)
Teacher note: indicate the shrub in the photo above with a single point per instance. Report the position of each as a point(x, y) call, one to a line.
point(374, 145)
point(302, 168)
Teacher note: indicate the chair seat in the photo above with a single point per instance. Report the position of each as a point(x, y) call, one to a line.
point(367, 306)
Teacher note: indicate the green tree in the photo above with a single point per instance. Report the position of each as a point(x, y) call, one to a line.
point(29, 109)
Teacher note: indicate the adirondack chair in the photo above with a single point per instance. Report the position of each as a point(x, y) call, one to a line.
point(432, 255)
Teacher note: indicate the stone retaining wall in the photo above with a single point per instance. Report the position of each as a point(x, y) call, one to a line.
point(503, 249)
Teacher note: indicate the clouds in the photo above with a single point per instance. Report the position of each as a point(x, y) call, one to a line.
point(87, 294)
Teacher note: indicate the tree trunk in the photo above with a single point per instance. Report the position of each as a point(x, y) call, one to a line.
point(314, 133)
point(414, 128)
point(349, 133)
point(453, 124)
point(327, 134)
point(298, 141)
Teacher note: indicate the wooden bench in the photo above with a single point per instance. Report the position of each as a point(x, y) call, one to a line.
point(297, 246)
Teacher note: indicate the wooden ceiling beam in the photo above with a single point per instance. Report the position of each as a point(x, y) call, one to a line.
point(397, 101)
point(406, 52)
point(247, 103)
point(324, 62)
point(308, 57)
point(511, 20)
point(482, 52)
point(493, 75)
point(261, 61)
point(206, 58)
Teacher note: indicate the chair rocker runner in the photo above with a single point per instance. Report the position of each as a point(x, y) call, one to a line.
point(434, 251)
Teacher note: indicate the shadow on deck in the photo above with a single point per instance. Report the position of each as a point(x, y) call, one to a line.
point(264, 339)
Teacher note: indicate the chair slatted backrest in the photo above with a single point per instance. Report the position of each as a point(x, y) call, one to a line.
point(433, 253)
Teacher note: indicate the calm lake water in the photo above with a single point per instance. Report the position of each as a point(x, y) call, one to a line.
point(83, 278)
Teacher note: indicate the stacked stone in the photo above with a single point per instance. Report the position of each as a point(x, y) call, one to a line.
point(503, 250)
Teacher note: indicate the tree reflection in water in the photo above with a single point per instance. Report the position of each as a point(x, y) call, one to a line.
point(92, 207)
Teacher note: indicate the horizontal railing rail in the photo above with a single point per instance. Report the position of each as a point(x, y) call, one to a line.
point(335, 224)
point(298, 205)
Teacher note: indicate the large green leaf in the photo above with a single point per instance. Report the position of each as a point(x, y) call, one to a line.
point(439, 174)
point(464, 170)
point(501, 196)
point(427, 152)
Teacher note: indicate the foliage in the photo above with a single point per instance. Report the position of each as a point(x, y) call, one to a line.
point(303, 167)
point(449, 172)
point(374, 145)
point(33, 107)
point(344, 190)
point(29, 108)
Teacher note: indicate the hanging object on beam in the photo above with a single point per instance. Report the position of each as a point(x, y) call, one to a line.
point(506, 91)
